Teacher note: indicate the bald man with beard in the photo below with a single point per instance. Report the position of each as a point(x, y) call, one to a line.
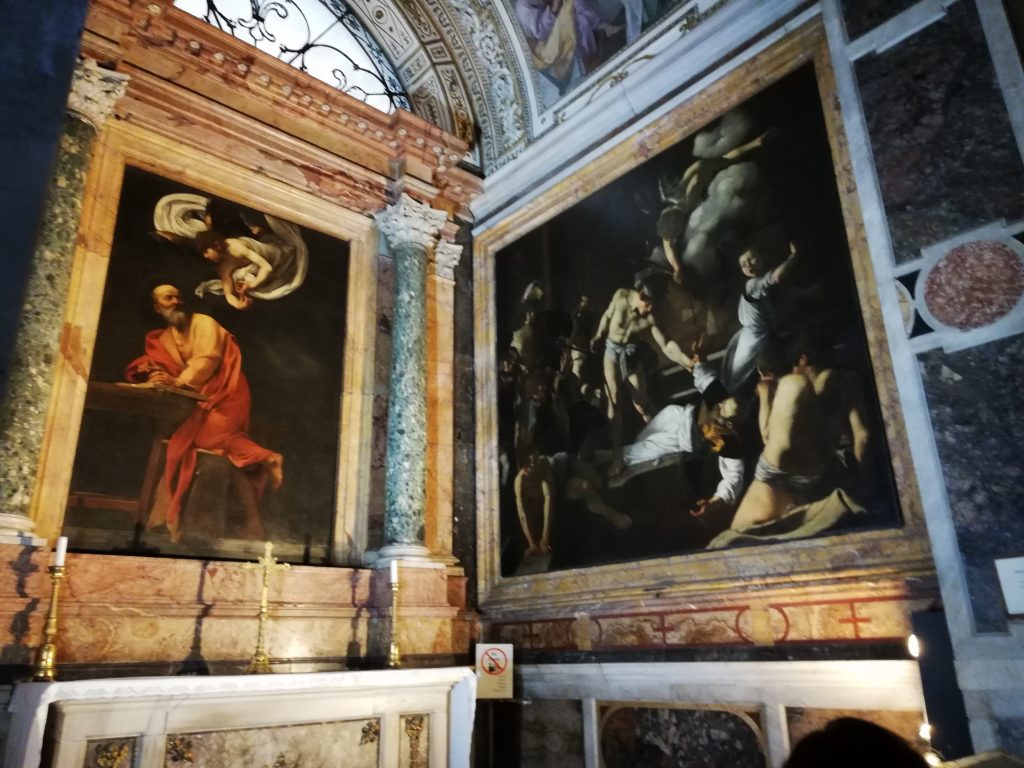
point(194, 352)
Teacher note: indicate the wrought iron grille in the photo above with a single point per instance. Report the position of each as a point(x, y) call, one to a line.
point(321, 37)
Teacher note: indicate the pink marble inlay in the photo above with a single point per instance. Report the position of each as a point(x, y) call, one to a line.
point(974, 284)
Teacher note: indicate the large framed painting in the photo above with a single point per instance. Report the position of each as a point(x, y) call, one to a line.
point(208, 371)
point(219, 310)
point(682, 365)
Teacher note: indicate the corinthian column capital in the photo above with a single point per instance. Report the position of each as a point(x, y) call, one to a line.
point(446, 259)
point(94, 92)
point(409, 222)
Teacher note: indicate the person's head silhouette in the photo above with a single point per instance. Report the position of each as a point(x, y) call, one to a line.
point(848, 742)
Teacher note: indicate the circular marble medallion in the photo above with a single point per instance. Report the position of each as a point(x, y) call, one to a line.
point(975, 284)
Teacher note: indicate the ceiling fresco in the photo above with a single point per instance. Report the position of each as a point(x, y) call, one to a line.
point(483, 70)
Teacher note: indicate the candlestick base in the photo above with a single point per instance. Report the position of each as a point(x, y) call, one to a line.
point(259, 664)
point(45, 669)
point(394, 653)
point(46, 664)
point(394, 656)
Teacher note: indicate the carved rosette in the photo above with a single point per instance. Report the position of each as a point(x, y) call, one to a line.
point(94, 92)
point(409, 222)
point(446, 259)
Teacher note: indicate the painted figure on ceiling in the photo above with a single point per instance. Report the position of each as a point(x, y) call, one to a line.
point(562, 35)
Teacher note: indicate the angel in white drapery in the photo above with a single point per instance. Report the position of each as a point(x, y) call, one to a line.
point(256, 255)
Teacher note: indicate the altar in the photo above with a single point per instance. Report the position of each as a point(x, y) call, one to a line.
point(403, 718)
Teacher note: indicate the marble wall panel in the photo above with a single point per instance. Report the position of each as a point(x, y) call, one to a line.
point(861, 16)
point(979, 430)
point(464, 469)
point(24, 597)
point(552, 735)
point(869, 618)
point(131, 610)
point(943, 146)
point(381, 380)
point(802, 720)
point(353, 743)
point(684, 738)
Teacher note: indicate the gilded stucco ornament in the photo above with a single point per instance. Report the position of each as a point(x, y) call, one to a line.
point(510, 132)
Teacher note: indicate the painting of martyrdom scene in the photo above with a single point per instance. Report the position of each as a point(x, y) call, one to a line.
point(211, 419)
point(682, 364)
point(569, 39)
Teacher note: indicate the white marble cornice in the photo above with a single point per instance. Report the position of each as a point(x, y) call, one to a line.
point(409, 222)
point(446, 259)
point(94, 92)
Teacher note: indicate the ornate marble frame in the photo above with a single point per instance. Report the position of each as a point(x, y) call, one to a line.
point(850, 563)
point(124, 144)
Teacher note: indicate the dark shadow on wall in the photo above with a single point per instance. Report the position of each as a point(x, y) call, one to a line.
point(18, 652)
point(37, 56)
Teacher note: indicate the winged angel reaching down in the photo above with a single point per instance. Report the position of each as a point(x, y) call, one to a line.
point(256, 255)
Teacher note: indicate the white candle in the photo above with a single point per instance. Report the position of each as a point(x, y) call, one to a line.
point(61, 551)
point(394, 571)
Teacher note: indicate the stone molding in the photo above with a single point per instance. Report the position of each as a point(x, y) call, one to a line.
point(94, 92)
point(98, 690)
point(179, 61)
point(445, 259)
point(409, 222)
point(13, 523)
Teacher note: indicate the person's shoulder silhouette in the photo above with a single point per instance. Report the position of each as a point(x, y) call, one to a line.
point(848, 741)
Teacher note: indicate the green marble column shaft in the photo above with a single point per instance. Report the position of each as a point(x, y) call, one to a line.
point(411, 229)
point(404, 475)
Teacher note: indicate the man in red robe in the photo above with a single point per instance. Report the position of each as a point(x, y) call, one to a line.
point(196, 353)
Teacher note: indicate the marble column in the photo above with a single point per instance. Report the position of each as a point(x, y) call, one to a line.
point(411, 229)
point(94, 92)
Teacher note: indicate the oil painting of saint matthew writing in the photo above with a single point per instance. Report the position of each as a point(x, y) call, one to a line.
point(682, 363)
point(219, 349)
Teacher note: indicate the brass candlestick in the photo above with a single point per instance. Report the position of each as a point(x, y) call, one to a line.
point(394, 654)
point(46, 659)
point(259, 664)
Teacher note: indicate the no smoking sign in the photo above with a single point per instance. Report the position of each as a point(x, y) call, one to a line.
point(494, 670)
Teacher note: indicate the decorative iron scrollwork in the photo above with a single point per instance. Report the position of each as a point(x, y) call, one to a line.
point(348, 57)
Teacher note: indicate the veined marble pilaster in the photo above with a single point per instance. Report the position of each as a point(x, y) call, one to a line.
point(94, 92)
point(440, 506)
point(411, 229)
